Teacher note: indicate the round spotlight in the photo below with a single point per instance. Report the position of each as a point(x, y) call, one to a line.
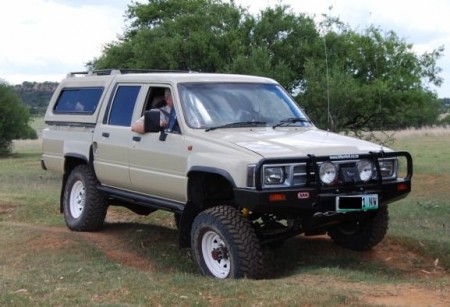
point(328, 173)
point(365, 170)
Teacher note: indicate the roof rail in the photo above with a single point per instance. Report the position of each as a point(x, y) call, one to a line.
point(106, 72)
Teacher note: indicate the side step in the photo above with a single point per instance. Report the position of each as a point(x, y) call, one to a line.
point(143, 200)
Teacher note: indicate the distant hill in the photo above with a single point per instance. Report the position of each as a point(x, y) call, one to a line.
point(36, 95)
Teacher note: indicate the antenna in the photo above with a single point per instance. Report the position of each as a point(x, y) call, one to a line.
point(328, 83)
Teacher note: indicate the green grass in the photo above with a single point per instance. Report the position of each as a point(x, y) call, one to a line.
point(28, 188)
point(422, 221)
point(135, 261)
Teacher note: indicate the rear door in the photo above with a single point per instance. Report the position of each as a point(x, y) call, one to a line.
point(113, 136)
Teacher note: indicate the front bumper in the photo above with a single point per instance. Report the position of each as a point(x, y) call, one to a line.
point(314, 197)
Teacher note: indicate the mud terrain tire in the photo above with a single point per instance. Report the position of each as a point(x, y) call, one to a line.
point(361, 235)
point(84, 206)
point(224, 244)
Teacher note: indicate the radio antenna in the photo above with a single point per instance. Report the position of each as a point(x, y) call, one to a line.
point(328, 84)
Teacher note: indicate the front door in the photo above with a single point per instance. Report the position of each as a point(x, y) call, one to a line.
point(158, 167)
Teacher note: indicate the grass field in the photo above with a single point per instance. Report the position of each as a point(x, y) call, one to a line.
point(135, 260)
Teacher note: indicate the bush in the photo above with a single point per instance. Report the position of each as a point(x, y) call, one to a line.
point(15, 120)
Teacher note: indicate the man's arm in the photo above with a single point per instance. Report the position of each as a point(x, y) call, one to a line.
point(138, 125)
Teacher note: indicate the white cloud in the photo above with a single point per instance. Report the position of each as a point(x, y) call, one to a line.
point(50, 36)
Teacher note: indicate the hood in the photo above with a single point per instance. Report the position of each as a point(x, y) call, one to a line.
point(293, 142)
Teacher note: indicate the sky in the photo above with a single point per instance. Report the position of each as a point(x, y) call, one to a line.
point(43, 40)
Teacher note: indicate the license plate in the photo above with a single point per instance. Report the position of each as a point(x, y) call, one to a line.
point(357, 203)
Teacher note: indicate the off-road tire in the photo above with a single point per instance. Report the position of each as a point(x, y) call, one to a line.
point(84, 205)
point(222, 232)
point(361, 235)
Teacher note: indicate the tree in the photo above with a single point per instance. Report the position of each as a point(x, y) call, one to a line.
point(15, 120)
point(368, 81)
point(212, 36)
point(198, 35)
point(347, 81)
point(276, 44)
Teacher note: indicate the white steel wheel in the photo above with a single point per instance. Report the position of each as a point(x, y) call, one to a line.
point(215, 254)
point(77, 199)
point(224, 244)
point(84, 206)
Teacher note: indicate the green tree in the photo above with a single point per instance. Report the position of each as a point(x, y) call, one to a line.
point(15, 119)
point(201, 35)
point(212, 36)
point(276, 45)
point(347, 81)
point(368, 81)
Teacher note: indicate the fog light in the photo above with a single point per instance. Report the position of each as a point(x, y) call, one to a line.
point(328, 172)
point(365, 170)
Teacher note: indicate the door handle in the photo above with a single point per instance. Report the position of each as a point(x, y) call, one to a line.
point(105, 134)
point(136, 138)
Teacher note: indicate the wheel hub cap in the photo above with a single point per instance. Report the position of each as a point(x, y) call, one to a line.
point(219, 253)
point(77, 199)
point(216, 255)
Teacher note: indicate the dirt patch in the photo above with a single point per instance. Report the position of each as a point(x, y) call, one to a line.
point(109, 241)
point(48, 241)
point(408, 296)
point(7, 209)
point(428, 185)
point(396, 256)
point(118, 250)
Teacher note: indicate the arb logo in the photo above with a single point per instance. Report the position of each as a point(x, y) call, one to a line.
point(303, 195)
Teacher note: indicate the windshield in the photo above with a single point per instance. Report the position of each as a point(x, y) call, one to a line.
point(221, 105)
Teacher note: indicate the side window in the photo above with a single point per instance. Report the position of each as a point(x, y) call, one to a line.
point(123, 105)
point(78, 100)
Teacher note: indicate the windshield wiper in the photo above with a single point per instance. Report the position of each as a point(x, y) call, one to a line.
point(291, 120)
point(237, 125)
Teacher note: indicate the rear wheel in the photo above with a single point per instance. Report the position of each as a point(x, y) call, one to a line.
point(84, 206)
point(224, 244)
point(361, 235)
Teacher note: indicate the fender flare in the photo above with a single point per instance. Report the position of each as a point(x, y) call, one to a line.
point(191, 210)
point(212, 170)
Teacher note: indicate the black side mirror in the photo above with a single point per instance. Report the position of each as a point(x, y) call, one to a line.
point(152, 121)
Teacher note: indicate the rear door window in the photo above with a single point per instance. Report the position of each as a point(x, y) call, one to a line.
point(123, 105)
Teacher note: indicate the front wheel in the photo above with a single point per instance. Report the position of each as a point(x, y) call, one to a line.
point(224, 244)
point(361, 235)
point(84, 205)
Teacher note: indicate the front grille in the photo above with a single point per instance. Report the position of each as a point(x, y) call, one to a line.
point(348, 173)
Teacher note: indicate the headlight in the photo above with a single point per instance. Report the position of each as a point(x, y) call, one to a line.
point(388, 168)
point(274, 175)
point(365, 170)
point(328, 172)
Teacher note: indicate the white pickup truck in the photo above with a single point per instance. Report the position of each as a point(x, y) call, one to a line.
point(245, 169)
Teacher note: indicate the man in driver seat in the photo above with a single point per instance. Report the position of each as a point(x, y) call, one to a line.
point(168, 118)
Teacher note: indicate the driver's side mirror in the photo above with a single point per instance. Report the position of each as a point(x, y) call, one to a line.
point(152, 121)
